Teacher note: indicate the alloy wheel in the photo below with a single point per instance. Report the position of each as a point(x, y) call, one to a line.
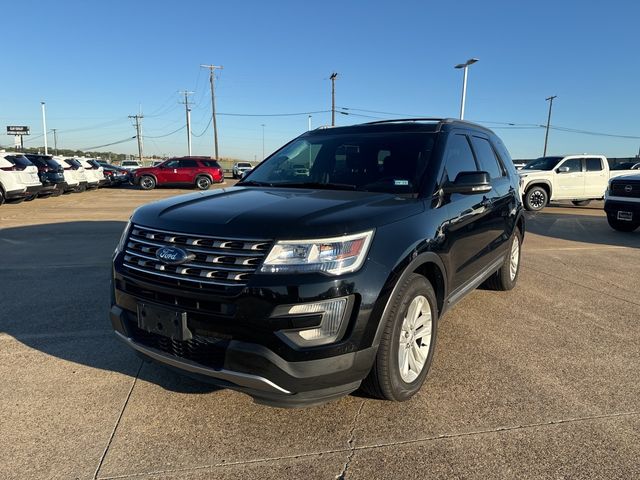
point(415, 339)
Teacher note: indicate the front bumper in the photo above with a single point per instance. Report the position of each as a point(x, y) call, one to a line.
point(237, 340)
point(33, 190)
point(631, 204)
point(257, 371)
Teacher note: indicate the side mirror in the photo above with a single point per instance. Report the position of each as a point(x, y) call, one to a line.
point(468, 183)
point(562, 169)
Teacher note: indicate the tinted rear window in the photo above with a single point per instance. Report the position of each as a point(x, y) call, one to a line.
point(212, 163)
point(19, 160)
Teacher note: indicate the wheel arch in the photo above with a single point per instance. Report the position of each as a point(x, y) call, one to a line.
point(427, 264)
point(203, 174)
point(540, 183)
point(148, 174)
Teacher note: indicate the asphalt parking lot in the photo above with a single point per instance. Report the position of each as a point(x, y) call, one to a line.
point(542, 381)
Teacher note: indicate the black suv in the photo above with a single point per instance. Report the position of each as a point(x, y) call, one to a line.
point(302, 284)
point(622, 203)
point(50, 172)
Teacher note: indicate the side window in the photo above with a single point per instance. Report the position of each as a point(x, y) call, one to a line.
point(188, 164)
point(458, 157)
point(487, 157)
point(575, 165)
point(172, 164)
point(594, 164)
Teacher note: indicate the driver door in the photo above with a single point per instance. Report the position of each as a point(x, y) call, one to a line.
point(570, 184)
point(167, 171)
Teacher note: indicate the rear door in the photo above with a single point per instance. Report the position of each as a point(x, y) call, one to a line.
point(501, 199)
point(470, 226)
point(187, 170)
point(595, 177)
point(569, 185)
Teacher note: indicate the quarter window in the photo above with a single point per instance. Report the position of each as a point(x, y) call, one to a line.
point(458, 157)
point(594, 164)
point(487, 157)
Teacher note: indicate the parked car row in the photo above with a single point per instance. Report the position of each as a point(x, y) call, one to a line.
point(27, 176)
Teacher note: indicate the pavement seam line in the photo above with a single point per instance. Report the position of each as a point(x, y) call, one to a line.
point(374, 446)
point(343, 474)
point(115, 427)
point(581, 285)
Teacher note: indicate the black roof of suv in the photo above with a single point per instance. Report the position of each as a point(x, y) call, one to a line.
point(328, 266)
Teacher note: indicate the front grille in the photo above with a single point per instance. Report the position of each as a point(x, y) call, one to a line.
point(218, 261)
point(207, 351)
point(625, 188)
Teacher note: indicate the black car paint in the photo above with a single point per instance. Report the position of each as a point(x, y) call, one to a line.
point(50, 173)
point(452, 239)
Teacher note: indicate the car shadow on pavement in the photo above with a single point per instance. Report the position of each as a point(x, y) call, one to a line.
point(55, 299)
point(585, 228)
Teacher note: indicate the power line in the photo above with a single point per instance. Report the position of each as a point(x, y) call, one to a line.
point(272, 114)
point(166, 134)
point(205, 129)
point(108, 144)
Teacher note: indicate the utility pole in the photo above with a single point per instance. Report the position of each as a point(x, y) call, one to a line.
point(212, 69)
point(333, 78)
point(137, 118)
point(44, 128)
point(309, 129)
point(188, 112)
point(262, 141)
point(546, 135)
point(55, 140)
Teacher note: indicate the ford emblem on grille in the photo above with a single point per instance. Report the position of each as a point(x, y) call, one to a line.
point(173, 255)
point(628, 188)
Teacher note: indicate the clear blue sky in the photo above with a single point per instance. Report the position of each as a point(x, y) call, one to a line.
point(94, 63)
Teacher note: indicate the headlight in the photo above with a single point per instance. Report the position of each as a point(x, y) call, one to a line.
point(123, 238)
point(334, 256)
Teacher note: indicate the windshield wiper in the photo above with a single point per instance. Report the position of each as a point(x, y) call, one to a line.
point(253, 183)
point(328, 186)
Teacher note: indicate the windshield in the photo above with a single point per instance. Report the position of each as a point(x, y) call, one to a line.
point(373, 162)
point(244, 165)
point(543, 163)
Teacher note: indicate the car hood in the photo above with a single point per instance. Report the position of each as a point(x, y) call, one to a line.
point(269, 213)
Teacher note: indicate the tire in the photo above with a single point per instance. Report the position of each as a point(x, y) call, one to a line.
point(536, 199)
point(30, 198)
point(15, 201)
point(81, 189)
point(387, 379)
point(56, 192)
point(1, 197)
point(581, 203)
point(203, 182)
point(147, 182)
point(620, 225)
point(507, 276)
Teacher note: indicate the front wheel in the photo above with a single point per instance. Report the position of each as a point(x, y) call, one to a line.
point(581, 203)
point(147, 182)
point(408, 342)
point(621, 225)
point(536, 199)
point(203, 183)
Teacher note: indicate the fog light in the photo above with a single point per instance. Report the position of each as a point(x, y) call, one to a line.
point(331, 326)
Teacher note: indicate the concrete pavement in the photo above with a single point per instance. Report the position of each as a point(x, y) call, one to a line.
point(539, 382)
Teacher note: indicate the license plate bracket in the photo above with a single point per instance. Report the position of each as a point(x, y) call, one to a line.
point(625, 216)
point(163, 321)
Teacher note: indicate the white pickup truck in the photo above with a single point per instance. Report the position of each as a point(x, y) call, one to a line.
point(579, 178)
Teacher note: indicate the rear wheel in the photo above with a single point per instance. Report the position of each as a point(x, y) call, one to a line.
point(621, 225)
point(203, 182)
point(536, 199)
point(147, 182)
point(408, 342)
point(507, 276)
point(581, 203)
point(1, 197)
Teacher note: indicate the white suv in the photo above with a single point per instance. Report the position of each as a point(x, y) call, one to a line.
point(240, 168)
point(18, 178)
point(95, 175)
point(130, 164)
point(71, 177)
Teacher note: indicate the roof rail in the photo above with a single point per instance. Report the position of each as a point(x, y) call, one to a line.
point(417, 119)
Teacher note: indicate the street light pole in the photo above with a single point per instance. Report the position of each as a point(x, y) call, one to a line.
point(465, 67)
point(262, 141)
point(546, 134)
point(44, 128)
point(309, 128)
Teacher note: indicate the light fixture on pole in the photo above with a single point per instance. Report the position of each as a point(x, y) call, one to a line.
point(464, 67)
point(44, 128)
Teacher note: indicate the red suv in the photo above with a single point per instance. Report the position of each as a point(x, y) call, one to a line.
point(198, 171)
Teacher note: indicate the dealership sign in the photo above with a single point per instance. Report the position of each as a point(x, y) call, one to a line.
point(17, 130)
